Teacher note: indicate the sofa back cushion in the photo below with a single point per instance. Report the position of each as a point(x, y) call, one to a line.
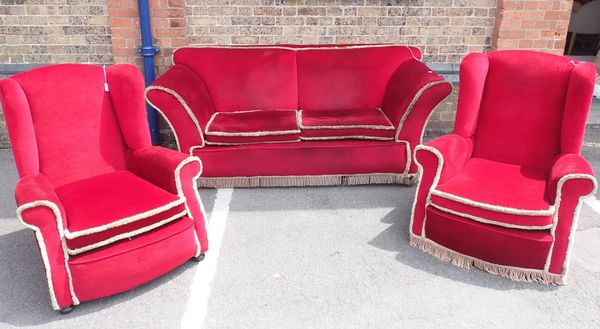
point(353, 77)
point(244, 78)
point(522, 108)
point(74, 125)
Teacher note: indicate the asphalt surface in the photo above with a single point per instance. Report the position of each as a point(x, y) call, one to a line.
point(320, 257)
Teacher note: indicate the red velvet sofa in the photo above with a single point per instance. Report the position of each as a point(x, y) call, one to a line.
point(299, 115)
point(109, 210)
point(503, 192)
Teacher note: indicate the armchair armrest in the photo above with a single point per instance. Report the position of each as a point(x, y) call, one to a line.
point(412, 93)
point(162, 167)
point(182, 98)
point(177, 173)
point(571, 178)
point(445, 156)
point(438, 160)
point(575, 170)
point(40, 209)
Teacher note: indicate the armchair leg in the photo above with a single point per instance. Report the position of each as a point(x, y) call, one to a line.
point(67, 310)
point(199, 258)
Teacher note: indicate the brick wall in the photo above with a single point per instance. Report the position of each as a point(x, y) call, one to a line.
point(54, 31)
point(446, 30)
point(532, 24)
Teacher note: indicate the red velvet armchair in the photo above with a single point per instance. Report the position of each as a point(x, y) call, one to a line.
point(502, 193)
point(109, 210)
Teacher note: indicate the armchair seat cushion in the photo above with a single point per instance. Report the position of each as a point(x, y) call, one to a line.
point(111, 207)
point(345, 124)
point(498, 194)
point(252, 127)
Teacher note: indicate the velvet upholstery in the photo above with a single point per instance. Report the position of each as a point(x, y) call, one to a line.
point(104, 212)
point(207, 88)
point(502, 193)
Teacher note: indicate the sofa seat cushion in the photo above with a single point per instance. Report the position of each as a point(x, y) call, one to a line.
point(252, 127)
point(345, 124)
point(107, 208)
point(498, 194)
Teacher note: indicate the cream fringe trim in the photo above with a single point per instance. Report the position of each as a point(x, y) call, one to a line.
point(464, 261)
point(320, 180)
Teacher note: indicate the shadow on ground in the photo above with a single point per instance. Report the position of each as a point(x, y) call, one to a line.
point(25, 298)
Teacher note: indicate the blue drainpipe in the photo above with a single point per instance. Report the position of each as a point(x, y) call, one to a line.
point(148, 50)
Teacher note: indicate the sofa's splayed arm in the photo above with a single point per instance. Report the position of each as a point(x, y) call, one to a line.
point(412, 93)
point(181, 96)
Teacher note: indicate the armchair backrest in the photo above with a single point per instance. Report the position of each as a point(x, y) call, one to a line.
point(524, 107)
point(62, 122)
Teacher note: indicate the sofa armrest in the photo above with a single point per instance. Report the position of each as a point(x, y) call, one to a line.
point(177, 173)
point(40, 210)
point(182, 98)
point(412, 94)
point(574, 170)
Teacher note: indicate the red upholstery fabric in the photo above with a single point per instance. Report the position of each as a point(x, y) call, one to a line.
point(345, 124)
point(533, 114)
point(251, 127)
point(113, 207)
point(177, 173)
point(131, 263)
point(346, 78)
point(178, 91)
point(490, 243)
point(297, 77)
point(516, 142)
point(497, 193)
point(326, 158)
point(73, 144)
point(245, 78)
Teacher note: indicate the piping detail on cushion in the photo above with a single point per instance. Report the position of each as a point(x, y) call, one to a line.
point(571, 238)
point(44, 251)
point(307, 180)
point(246, 134)
point(487, 206)
point(179, 187)
point(126, 235)
point(183, 103)
point(125, 221)
point(465, 261)
point(248, 143)
point(376, 127)
point(414, 101)
point(347, 137)
point(488, 221)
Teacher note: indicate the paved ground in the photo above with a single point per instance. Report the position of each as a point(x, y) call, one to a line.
point(331, 257)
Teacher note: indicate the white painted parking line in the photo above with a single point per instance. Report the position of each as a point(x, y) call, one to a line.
point(593, 203)
point(197, 305)
point(592, 144)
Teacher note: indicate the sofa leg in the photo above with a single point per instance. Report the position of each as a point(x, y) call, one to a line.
point(67, 310)
point(199, 258)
